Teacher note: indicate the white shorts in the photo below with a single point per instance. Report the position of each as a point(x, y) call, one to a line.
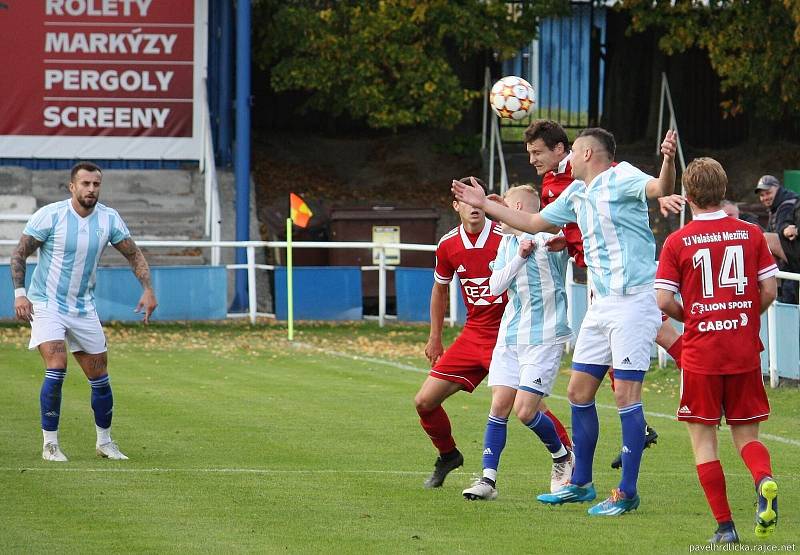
point(82, 333)
point(618, 331)
point(530, 368)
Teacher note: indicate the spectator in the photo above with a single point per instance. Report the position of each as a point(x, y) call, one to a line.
point(781, 203)
point(732, 209)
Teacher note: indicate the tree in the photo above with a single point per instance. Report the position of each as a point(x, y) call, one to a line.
point(753, 46)
point(389, 63)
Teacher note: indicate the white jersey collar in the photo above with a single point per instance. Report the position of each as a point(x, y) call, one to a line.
point(718, 215)
point(562, 166)
point(481, 242)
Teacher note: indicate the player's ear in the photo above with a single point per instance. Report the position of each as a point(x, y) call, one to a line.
point(455, 205)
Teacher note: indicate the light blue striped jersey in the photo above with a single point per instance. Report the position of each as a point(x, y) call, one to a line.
point(619, 247)
point(70, 251)
point(536, 313)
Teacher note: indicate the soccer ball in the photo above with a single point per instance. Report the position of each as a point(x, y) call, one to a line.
point(512, 98)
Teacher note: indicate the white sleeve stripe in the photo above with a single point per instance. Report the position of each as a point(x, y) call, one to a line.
point(767, 273)
point(667, 286)
point(667, 281)
point(441, 279)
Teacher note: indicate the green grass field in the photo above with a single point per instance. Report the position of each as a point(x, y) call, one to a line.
point(242, 442)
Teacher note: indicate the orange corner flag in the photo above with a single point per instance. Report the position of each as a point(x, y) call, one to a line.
point(299, 211)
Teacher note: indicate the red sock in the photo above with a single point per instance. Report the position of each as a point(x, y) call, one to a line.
point(437, 425)
point(756, 458)
point(675, 350)
point(560, 429)
point(713, 481)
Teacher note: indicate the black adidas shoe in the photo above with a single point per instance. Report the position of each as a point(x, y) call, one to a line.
point(649, 439)
point(443, 467)
point(725, 534)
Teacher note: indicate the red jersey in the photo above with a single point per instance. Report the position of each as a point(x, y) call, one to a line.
point(716, 263)
point(470, 258)
point(553, 184)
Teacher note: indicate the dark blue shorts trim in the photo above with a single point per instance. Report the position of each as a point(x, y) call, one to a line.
point(531, 390)
point(630, 375)
point(596, 370)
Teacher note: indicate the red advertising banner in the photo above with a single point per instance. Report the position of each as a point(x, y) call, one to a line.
point(100, 68)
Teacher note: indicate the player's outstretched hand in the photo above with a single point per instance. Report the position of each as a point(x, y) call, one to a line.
point(671, 204)
point(147, 304)
point(526, 247)
point(23, 308)
point(670, 145)
point(497, 198)
point(434, 349)
point(557, 243)
point(472, 194)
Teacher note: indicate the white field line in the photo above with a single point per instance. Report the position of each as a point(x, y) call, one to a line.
point(301, 472)
point(401, 366)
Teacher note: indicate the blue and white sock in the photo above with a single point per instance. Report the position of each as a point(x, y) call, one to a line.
point(494, 441)
point(543, 427)
point(632, 418)
point(585, 430)
point(103, 407)
point(50, 402)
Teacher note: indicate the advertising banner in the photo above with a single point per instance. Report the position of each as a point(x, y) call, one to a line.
point(102, 78)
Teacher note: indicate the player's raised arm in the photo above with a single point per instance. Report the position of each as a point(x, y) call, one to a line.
point(524, 221)
point(23, 308)
point(664, 184)
point(131, 251)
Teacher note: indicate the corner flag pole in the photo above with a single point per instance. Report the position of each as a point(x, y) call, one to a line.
point(289, 293)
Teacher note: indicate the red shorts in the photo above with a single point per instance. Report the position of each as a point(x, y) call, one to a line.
point(706, 397)
point(465, 362)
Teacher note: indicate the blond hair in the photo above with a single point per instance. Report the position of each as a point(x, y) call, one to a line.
point(530, 189)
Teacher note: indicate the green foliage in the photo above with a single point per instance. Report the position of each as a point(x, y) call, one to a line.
point(753, 46)
point(388, 62)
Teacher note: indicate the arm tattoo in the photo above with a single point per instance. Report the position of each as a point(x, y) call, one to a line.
point(27, 246)
point(141, 270)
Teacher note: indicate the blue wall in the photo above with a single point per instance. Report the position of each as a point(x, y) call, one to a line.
point(183, 293)
point(321, 293)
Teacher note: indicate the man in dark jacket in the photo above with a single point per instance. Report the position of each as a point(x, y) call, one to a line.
point(781, 203)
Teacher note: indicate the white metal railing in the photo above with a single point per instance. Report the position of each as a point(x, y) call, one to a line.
point(495, 139)
point(251, 266)
point(666, 95)
point(208, 167)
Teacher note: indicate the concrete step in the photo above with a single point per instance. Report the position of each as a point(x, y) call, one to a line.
point(139, 182)
point(156, 257)
point(17, 204)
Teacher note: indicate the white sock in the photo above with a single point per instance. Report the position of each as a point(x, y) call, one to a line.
point(560, 453)
point(50, 437)
point(103, 435)
point(490, 473)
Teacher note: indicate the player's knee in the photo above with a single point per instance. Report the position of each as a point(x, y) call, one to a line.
point(579, 395)
point(525, 413)
point(424, 403)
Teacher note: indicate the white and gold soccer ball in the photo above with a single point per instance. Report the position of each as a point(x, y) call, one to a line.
point(512, 98)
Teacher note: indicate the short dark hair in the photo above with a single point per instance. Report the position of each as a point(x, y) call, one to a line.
point(549, 131)
point(605, 138)
point(705, 182)
point(466, 181)
point(87, 166)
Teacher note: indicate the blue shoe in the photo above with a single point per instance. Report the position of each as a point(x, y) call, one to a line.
point(767, 509)
point(725, 535)
point(569, 494)
point(615, 505)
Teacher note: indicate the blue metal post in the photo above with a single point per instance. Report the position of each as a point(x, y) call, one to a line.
point(225, 81)
point(242, 154)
